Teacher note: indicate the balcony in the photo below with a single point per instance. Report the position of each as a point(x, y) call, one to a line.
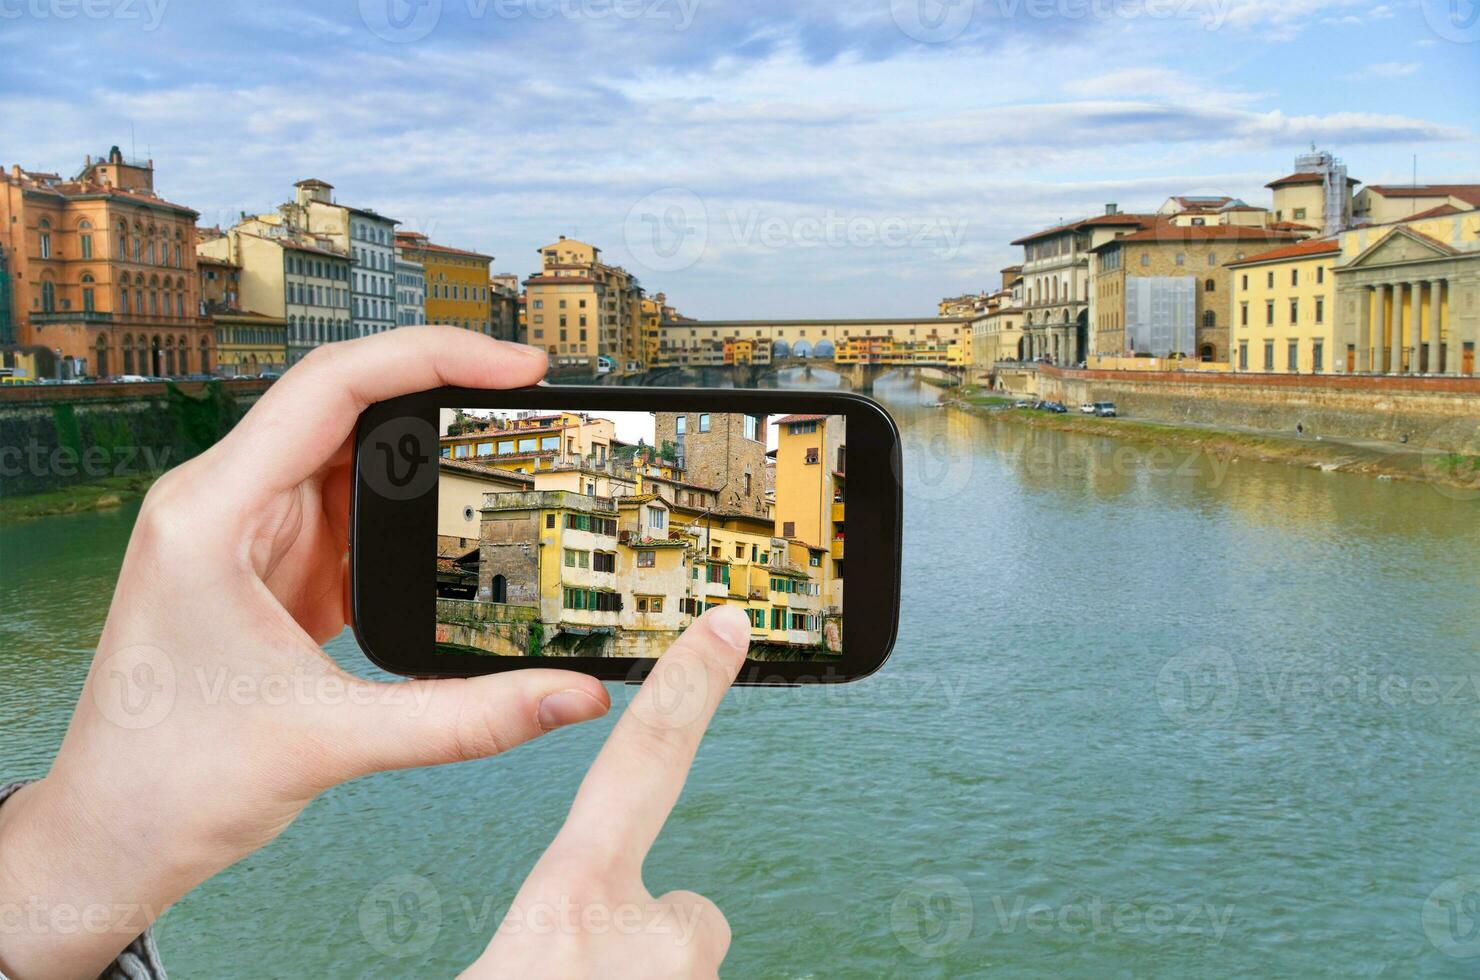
point(837, 548)
point(837, 512)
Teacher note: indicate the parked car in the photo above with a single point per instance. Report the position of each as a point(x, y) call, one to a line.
point(269, 375)
point(1105, 410)
point(1087, 408)
point(1056, 408)
point(1022, 403)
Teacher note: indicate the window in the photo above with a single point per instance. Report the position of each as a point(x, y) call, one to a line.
point(485, 449)
point(1145, 258)
point(549, 522)
point(1320, 273)
point(1294, 277)
point(1243, 355)
point(529, 444)
point(789, 529)
point(657, 518)
point(704, 422)
point(45, 239)
point(740, 552)
point(1181, 258)
point(1269, 355)
point(680, 424)
point(1317, 356)
point(646, 559)
point(1320, 310)
point(506, 445)
point(812, 454)
point(1294, 310)
point(1243, 314)
point(577, 559)
point(752, 427)
point(603, 561)
point(1269, 313)
point(1210, 319)
point(1210, 286)
point(550, 443)
point(1292, 358)
point(460, 452)
point(815, 559)
point(1245, 283)
point(1269, 280)
point(1299, 214)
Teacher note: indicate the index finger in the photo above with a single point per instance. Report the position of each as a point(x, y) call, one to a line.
point(629, 791)
point(305, 417)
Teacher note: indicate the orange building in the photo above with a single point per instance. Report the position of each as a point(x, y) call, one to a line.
point(103, 270)
point(457, 281)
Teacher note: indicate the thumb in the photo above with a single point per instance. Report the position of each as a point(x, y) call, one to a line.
point(430, 722)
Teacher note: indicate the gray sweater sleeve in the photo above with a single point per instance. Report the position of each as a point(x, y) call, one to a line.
point(140, 961)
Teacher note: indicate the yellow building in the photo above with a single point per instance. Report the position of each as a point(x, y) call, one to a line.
point(811, 490)
point(1408, 295)
point(1385, 204)
point(582, 310)
point(532, 441)
point(1284, 309)
point(457, 281)
point(702, 341)
point(250, 343)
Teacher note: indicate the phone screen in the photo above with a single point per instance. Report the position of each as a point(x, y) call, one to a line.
point(604, 534)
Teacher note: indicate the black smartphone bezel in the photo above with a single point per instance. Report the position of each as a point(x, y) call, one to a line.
point(392, 541)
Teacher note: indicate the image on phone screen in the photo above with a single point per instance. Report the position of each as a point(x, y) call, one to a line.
point(604, 534)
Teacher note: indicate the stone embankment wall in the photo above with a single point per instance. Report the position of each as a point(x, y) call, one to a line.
point(57, 436)
point(1433, 413)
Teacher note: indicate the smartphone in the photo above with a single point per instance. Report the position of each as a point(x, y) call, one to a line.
point(586, 527)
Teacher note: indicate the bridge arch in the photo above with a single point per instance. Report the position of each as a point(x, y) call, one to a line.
point(802, 348)
point(780, 349)
point(824, 348)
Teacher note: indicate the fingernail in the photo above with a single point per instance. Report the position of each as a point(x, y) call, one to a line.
point(730, 625)
point(567, 708)
point(525, 350)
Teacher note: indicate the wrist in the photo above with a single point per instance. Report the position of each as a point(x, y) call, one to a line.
point(75, 890)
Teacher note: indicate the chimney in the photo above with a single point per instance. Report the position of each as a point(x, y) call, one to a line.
point(1112, 209)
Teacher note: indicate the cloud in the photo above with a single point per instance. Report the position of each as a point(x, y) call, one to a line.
point(1385, 69)
point(498, 132)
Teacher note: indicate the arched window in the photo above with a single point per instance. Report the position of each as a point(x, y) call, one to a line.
point(1210, 286)
point(128, 352)
point(44, 233)
point(122, 241)
point(88, 297)
point(182, 344)
point(123, 301)
point(1209, 353)
point(100, 357)
point(48, 296)
point(84, 239)
point(205, 355)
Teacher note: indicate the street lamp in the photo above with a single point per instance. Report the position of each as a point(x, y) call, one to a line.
point(58, 352)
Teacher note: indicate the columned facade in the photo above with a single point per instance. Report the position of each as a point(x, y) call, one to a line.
point(1409, 304)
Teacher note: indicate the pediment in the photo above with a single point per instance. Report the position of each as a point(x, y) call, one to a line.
point(1398, 246)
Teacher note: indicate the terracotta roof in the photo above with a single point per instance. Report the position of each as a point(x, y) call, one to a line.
point(1306, 177)
point(1442, 211)
point(1166, 231)
point(1313, 246)
point(1469, 193)
point(477, 469)
point(416, 240)
point(1291, 226)
point(561, 281)
point(798, 418)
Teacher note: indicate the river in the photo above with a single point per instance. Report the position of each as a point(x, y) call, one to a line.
point(1150, 714)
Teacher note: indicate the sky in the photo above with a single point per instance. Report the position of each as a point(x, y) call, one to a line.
point(748, 158)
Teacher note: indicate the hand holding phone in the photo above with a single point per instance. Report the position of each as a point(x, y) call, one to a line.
point(588, 526)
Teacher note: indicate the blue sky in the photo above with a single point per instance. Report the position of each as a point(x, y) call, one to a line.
point(761, 158)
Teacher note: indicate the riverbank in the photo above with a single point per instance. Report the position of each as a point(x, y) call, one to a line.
point(1452, 471)
point(106, 493)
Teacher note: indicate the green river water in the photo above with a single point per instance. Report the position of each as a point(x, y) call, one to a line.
point(1150, 714)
